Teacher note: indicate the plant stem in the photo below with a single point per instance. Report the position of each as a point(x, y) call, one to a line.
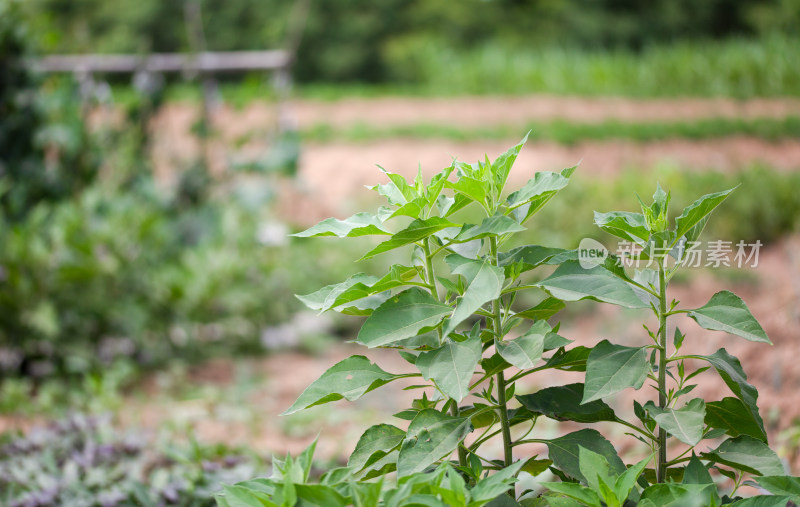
point(508, 457)
point(429, 274)
point(661, 468)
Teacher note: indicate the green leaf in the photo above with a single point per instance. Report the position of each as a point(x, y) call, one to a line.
point(697, 211)
point(685, 424)
point(570, 282)
point(411, 209)
point(349, 379)
point(696, 472)
point(624, 224)
point(781, 485)
point(495, 485)
point(535, 466)
point(240, 496)
point(732, 415)
point(469, 187)
point(528, 200)
point(762, 501)
point(625, 482)
point(417, 230)
point(544, 310)
point(397, 191)
point(678, 495)
point(402, 316)
point(573, 359)
point(523, 352)
point(580, 493)
point(451, 366)
point(563, 403)
point(319, 494)
point(357, 287)
point(490, 226)
point(726, 311)
point(431, 436)
point(730, 370)
point(530, 257)
point(379, 439)
point(594, 468)
point(748, 454)
point(360, 224)
point(564, 451)
point(485, 285)
point(501, 167)
point(611, 368)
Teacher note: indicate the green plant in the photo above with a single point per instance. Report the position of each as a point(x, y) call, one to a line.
point(81, 460)
point(455, 321)
point(683, 478)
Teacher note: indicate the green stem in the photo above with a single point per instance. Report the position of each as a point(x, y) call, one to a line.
point(661, 468)
point(508, 457)
point(454, 411)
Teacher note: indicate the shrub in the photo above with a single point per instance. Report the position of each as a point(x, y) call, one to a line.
point(469, 347)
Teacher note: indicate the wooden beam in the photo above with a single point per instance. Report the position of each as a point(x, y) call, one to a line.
point(231, 61)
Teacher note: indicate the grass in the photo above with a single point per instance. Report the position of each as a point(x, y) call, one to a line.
point(566, 132)
point(737, 68)
point(764, 207)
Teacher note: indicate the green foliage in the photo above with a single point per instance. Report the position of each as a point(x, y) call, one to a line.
point(450, 314)
point(83, 460)
point(566, 132)
point(45, 154)
point(178, 280)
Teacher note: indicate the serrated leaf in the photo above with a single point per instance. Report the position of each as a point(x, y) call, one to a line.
point(564, 451)
point(685, 423)
point(402, 316)
point(360, 224)
point(349, 379)
point(563, 403)
point(698, 210)
point(624, 224)
point(730, 370)
point(451, 366)
point(748, 454)
point(570, 282)
point(501, 167)
point(417, 230)
point(732, 415)
point(485, 285)
point(726, 311)
point(431, 436)
point(381, 438)
point(612, 368)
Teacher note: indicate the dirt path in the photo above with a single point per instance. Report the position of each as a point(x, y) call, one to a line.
point(482, 111)
point(332, 176)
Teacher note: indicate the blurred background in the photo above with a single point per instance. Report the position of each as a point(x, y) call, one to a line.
point(149, 335)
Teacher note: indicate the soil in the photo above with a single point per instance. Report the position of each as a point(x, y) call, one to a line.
point(331, 176)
